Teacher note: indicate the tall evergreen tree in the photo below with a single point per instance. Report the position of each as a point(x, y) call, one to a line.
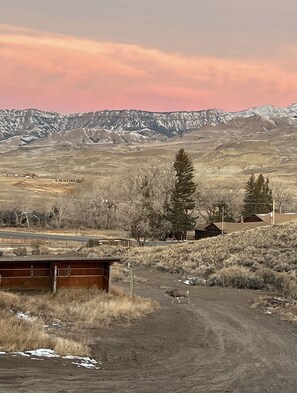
point(258, 196)
point(182, 202)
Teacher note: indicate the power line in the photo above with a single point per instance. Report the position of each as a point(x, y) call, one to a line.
point(242, 203)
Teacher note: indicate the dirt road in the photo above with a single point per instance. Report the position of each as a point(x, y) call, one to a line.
point(217, 343)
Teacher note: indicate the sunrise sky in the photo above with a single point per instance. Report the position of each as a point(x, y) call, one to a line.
point(156, 55)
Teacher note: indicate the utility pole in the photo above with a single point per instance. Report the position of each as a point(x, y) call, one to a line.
point(223, 212)
point(132, 278)
point(273, 212)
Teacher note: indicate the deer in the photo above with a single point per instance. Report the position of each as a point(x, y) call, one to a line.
point(177, 294)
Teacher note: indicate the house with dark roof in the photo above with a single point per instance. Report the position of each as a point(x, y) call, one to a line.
point(223, 228)
point(271, 218)
point(253, 221)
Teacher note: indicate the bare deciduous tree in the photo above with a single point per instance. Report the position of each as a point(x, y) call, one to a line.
point(212, 200)
point(59, 210)
point(143, 199)
point(22, 208)
point(284, 198)
point(96, 204)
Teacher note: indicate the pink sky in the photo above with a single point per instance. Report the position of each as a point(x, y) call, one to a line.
point(67, 73)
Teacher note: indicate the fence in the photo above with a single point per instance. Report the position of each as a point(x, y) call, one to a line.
point(110, 242)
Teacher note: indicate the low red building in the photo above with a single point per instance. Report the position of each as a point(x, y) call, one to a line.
point(54, 272)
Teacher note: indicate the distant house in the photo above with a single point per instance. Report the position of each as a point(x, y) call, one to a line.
point(255, 220)
point(278, 218)
point(223, 228)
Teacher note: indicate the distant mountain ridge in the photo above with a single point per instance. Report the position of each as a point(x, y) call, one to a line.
point(111, 126)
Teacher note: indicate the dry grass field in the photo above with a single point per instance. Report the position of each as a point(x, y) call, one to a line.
point(62, 322)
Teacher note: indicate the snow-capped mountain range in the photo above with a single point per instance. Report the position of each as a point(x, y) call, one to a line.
point(31, 125)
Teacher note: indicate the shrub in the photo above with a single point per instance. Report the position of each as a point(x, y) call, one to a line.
point(282, 267)
point(36, 243)
point(44, 250)
point(247, 262)
point(20, 251)
point(267, 275)
point(209, 271)
point(287, 283)
point(239, 277)
point(255, 282)
point(234, 276)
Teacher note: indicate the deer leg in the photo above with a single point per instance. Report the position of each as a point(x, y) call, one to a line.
point(178, 299)
point(173, 300)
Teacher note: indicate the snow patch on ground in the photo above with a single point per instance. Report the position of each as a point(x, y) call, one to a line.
point(82, 361)
point(37, 354)
point(48, 353)
point(194, 281)
point(24, 316)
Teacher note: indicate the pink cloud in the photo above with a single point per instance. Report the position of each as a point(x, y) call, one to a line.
point(69, 74)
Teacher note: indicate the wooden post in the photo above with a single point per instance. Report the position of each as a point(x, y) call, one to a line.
point(131, 282)
point(55, 281)
point(223, 219)
point(109, 279)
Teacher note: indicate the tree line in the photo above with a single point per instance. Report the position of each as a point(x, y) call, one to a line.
point(152, 204)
